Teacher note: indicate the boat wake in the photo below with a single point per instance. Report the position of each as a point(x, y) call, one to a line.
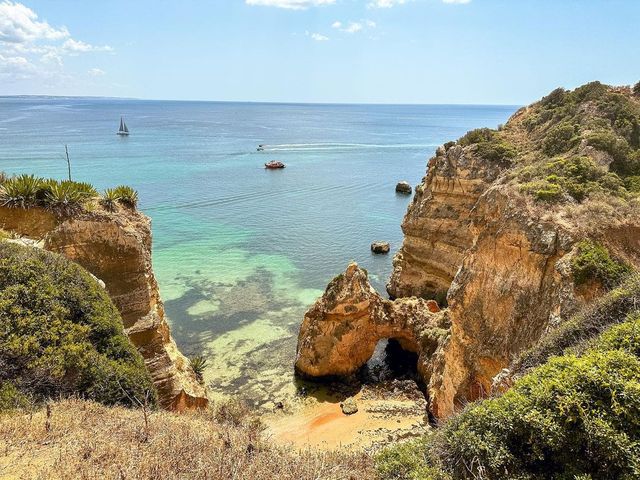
point(310, 147)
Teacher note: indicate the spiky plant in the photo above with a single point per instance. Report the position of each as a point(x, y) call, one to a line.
point(20, 191)
point(83, 188)
point(198, 365)
point(65, 198)
point(127, 196)
point(110, 199)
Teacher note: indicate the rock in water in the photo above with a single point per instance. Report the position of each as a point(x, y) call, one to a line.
point(349, 406)
point(380, 247)
point(404, 187)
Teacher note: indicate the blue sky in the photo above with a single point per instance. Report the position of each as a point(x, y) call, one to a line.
point(378, 51)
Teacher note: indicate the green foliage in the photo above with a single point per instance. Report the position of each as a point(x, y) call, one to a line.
point(127, 196)
point(573, 416)
point(592, 262)
point(576, 332)
point(109, 199)
point(636, 89)
point(11, 398)
point(575, 177)
point(198, 364)
point(61, 334)
point(490, 146)
point(407, 461)
point(20, 191)
point(65, 197)
point(560, 138)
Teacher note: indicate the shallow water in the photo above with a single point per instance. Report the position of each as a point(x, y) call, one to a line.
point(241, 252)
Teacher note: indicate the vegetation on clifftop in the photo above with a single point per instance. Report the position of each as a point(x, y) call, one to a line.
point(61, 335)
point(577, 416)
point(62, 196)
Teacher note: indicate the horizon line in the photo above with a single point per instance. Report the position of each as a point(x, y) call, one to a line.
point(262, 102)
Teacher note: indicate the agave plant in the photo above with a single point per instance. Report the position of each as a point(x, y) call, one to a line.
point(127, 196)
point(20, 191)
point(110, 199)
point(83, 188)
point(65, 198)
point(198, 365)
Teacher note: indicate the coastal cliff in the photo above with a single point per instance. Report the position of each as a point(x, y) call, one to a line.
point(115, 246)
point(518, 228)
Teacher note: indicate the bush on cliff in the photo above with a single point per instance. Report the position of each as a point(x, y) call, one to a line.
point(61, 334)
point(593, 262)
point(577, 416)
point(490, 146)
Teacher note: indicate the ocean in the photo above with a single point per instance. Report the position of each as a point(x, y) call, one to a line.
point(241, 252)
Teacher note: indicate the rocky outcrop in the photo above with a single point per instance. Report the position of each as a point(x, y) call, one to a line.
point(404, 188)
point(340, 331)
point(437, 226)
point(116, 248)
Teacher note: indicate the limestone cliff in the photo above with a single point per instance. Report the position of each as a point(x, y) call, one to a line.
point(116, 248)
point(497, 224)
point(341, 330)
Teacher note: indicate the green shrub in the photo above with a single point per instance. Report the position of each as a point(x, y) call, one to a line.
point(636, 89)
point(489, 145)
point(560, 138)
point(593, 262)
point(11, 398)
point(127, 196)
point(575, 333)
point(61, 334)
point(408, 461)
point(577, 177)
point(573, 416)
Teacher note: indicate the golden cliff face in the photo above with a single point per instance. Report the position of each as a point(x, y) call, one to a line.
point(340, 331)
point(116, 248)
point(437, 226)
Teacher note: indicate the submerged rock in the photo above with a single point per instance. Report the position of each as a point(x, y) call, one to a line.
point(404, 188)
point(349, 406)
point(380, 247)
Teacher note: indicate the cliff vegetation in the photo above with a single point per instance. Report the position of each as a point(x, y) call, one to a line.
point(61, 335)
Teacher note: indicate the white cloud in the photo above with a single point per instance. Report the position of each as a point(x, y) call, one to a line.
point(31, 47)
point(290, 4)
point(20, 24)
point(78, 46)
point(318, 37)
point(96, 72)
point(385, 3)
point(353, 27)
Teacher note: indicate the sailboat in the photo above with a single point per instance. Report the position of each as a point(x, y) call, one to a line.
point(123, 130)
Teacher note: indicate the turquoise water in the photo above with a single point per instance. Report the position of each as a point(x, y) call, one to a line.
point(241, 252)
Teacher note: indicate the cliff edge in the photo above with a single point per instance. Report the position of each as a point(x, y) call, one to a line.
point(517, 228)
point(115, 246)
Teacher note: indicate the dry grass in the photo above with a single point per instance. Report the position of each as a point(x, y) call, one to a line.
point(86, 440)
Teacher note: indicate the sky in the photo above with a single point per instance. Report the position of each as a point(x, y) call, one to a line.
point(344, 51)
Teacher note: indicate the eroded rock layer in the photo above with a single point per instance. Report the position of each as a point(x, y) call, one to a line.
point(341, 330)
point(116, 248)
point(437, 226)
